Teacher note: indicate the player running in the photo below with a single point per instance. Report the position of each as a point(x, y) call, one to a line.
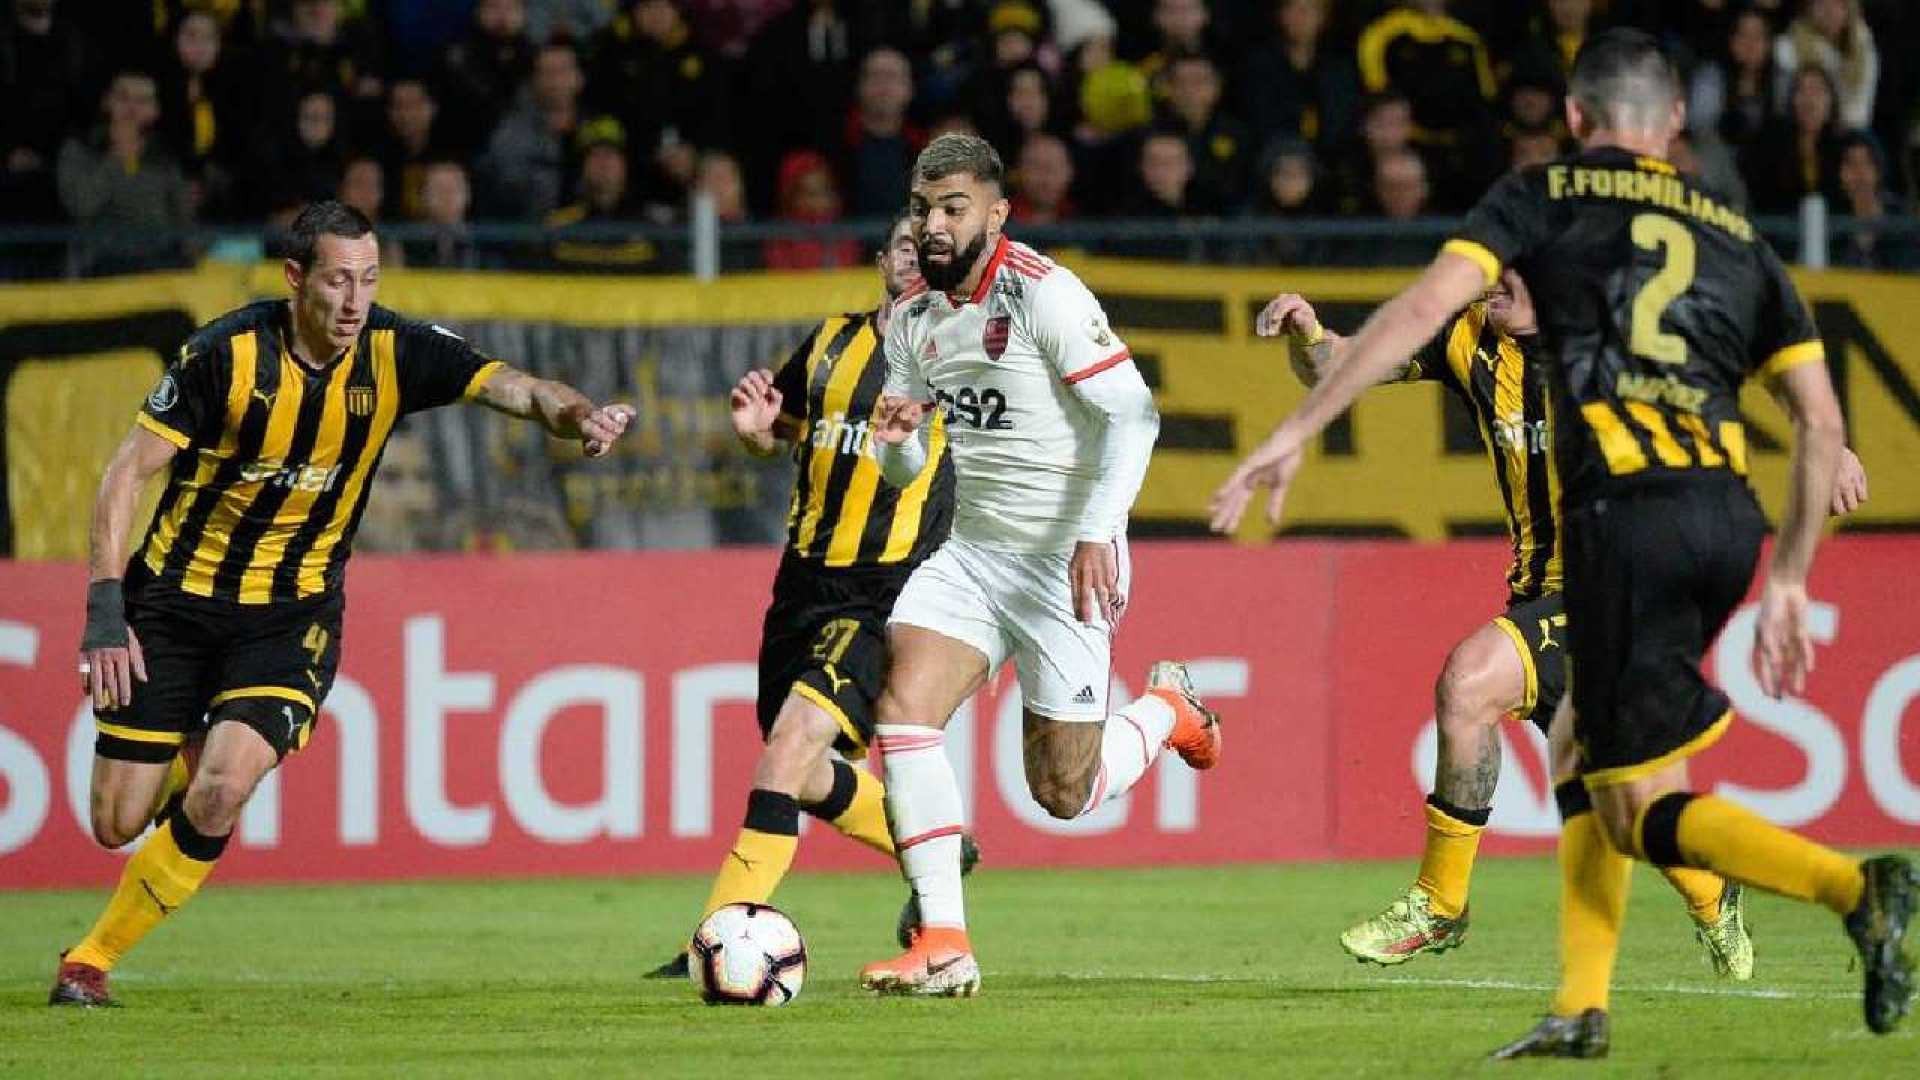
point(1489, 356)
point(851, 542)
point(1656, 301)
point(224, 635)
point(1050, 427)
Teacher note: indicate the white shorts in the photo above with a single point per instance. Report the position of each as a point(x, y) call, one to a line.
point(1010, 604)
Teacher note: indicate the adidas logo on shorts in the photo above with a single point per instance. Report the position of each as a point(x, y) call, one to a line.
point(1084, 697)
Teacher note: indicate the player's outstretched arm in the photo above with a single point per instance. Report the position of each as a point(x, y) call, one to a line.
point(110, 656)
point(1312, 349)
point(1782, 646)
point(566, 413)
point(900, 444)
point(1381, 348)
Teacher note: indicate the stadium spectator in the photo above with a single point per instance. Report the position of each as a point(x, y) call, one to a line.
point(809, 195)
point(1298, 83)
point(46, 64)
point(446, 195)
point(1180, 27)
point(303, 162)
point(1732, 92)
point(1865, 241)
point(582, 241)
point(718, 176)
point(315, 48)
point(363, 186)
point(1438, 63)
point(566, 20)
point(647, 69)
point(1287, 184)
point(205, 111)
point(410, 141)
point(1386, 127)
point(1114, 104)
point(123, 177)
point(1220, 145)
point(804, 60)
point(1025, 108)
point(1043, 182)
point(1795, 156)
point(879, 144)
point(1833, 35)
point(531, 160)
point(1400, 189)
point(480, 74)
point(1170, 184)
point(1546, 57)
point(1532, 148)
point(1708, 158)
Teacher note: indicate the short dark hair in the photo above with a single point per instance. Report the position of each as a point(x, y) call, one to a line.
point(1624, 79)
point(327, 217)
point(959, 152)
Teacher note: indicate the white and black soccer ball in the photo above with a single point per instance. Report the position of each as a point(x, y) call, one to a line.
point(747, 954)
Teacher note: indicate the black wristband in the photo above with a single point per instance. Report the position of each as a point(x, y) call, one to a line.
point(106, 616)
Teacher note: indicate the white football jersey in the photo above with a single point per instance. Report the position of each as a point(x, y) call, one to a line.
point(1003, 364)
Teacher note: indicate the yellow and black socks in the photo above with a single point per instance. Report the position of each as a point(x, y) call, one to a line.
point(1446, 866)
point(856, 807)
point(1593, 903)
point(164, 874)
point(1701, 889)
point(761, 853)
point(1708, 832)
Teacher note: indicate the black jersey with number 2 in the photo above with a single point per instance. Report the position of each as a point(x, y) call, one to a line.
point(1656, 299)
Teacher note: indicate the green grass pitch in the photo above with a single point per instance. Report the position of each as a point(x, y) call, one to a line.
point(1203, 972)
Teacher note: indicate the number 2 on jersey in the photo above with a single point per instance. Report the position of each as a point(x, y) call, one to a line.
point(1652, 232)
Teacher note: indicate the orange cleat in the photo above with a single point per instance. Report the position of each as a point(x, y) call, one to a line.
point(940, 964)
point(1196, 728)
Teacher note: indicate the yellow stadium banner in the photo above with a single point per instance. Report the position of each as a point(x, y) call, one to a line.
point(76, 357)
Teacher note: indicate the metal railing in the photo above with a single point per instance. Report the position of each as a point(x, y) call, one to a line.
point(705, 247)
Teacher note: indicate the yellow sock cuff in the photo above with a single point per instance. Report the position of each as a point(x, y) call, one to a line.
point(1455, 821)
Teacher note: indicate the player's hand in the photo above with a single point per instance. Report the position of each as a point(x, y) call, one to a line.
point(1782, 645)
point(1849, 483)
point(1289, 314)
point(107, 673)
point(1094, 573)
point(601, 427)
point(1272, 467)
point(755, 402)
point(896, 418)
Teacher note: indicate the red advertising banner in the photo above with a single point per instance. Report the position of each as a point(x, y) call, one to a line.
point(593, 714)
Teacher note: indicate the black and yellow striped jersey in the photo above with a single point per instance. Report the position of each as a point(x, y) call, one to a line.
point(1502, 381)
point(276, 458)
point(843, 514)
point(1656, 300)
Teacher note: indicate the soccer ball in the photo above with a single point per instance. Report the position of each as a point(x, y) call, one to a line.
point(748, 954)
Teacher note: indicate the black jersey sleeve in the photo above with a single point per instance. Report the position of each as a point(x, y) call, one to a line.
point(188, 405)
point(436, 366)
point(1509, 221)
point(1431, 362)
point(791, 379)
point(1785, 336)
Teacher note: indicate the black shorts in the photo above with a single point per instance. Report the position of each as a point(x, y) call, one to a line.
point(273, 662)
point(825, 638)
point(1538, 627)
point(1651, 577)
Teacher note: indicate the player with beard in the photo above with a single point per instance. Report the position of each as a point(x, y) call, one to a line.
point(1050, 428)
point(851, 542)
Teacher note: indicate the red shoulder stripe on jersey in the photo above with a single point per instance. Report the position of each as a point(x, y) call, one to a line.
point(986, 276)
point(919, 286)
point(1091, 370)
point(1026, 269)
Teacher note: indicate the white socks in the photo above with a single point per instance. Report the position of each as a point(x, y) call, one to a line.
point(923, 798)
point(1134, 736)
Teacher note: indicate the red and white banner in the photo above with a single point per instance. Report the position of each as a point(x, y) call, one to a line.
point(593, 714)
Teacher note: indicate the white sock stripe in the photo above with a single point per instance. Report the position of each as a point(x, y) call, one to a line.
point(1146, 752)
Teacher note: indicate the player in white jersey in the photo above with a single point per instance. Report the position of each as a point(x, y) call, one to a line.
point(1050, 426)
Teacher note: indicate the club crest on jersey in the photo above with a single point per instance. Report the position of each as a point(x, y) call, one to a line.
point(360, 400)
point(994, 337)
point(165, 393)
point(1096, 329)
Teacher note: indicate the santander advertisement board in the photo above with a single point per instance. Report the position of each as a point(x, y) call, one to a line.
point(593, 714)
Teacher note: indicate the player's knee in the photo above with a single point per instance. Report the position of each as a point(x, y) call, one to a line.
point(116, 826)
point(799, 736)
point(215, 800)
point(1469, 694)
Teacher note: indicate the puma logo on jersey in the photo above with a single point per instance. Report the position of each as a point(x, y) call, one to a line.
point(165, 908)
point(265, 398)
point(834, 678)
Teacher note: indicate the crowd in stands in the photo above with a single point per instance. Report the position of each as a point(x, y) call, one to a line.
point(154, 114)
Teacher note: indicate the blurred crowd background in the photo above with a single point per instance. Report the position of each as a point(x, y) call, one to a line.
point(579, 116)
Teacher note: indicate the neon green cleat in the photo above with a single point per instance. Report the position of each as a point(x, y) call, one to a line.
point(1406, 929)
point(1726, 940)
